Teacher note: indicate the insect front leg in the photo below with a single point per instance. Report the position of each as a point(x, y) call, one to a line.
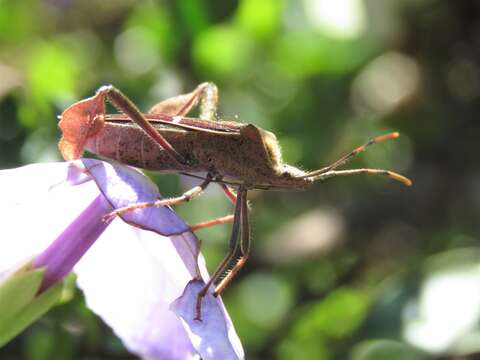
point(124, 104)
point(185, 197)
point(240, 230)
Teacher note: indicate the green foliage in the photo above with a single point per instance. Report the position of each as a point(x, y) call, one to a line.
point(222, 51)
point(159, 26)
point(51, 70)
point(323, 322)
point(307, 53)
point(384, 349)
point(336, 316)
point(262, 19)
point(19, 303)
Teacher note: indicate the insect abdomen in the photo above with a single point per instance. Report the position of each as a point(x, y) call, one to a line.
point(128, 144)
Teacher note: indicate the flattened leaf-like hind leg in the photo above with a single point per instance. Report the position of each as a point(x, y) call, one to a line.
point(124, 104)
point(180, 105)
point(206, 94)
point(208, 102)
point(239, 245)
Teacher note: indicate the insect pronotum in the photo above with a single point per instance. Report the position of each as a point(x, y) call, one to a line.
point(234, 155)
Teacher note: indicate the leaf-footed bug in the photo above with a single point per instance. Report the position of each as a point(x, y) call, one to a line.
point(232, 154)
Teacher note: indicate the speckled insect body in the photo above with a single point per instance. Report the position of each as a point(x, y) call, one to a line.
point(233, 154)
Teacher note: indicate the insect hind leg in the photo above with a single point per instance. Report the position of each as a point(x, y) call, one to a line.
point(205, 94)
point(124, 104)
point(239, 245)
point(208, 102)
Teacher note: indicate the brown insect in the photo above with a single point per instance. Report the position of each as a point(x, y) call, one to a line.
point(232, 154)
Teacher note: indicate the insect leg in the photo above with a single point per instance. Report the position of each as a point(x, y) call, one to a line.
point(390, 174)
point(218, 221)
point(229, 193)
point(185, 197)
point(181, 105)
point(244, 245)
point(124, 104)
point(208, 102)
point(234, 246)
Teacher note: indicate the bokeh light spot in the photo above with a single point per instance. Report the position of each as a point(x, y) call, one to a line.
point(222, 50)
point(345, 19)
point(136, 51)
point(265, 298)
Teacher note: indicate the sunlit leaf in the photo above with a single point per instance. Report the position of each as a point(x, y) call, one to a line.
point(20, 305)
point(157, 22)
point(17, 19)
point(384, 349)
point(194, 14)
point(51, 75)
point(308, 53)
point(260, 18)
point(307, 348)
point(336, 316)
point(222, 51)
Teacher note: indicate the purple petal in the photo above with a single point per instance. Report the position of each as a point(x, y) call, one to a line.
point(214, 336)
point(60, 257)
point(165, 266)
point(129, 278)
point(38, 204)
point(124, 186)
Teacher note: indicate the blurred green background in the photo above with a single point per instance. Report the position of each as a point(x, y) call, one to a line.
point(356, 268)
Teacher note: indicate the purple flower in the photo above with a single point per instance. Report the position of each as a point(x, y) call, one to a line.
point(141, 273)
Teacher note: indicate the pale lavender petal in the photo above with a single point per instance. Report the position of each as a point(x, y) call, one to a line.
point(118, 183)
point(38, 204)
point(60, 257)
point(124, 186)
point(187, 246)
point(129, 278)
point(214, 336)
point(26, 183)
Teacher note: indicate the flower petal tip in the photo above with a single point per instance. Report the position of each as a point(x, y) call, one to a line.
point(213, 336)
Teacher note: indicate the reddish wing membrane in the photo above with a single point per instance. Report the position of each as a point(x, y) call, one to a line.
point(78, 123)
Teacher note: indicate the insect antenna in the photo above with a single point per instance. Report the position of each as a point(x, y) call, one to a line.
point(329, 171)
point(391, 174)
